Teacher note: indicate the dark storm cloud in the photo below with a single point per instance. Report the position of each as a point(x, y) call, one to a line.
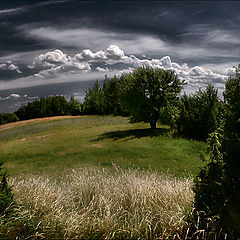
point(56, 47)
point(170, 22)
point(205, 35)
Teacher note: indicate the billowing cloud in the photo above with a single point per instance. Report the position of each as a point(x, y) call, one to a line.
point(57, 65)
point(12, 95)
point(13, 67)
point(3, 66)
point(230, 71)
point(8, 65)
point(112, 52)
point(88, 55)
point(102, 69)
point(51, 59)
point(57, 62)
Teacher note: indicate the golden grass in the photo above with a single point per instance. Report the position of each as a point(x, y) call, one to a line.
point(104, 204)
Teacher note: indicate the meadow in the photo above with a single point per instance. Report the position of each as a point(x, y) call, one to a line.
point(98, 177)
point(96, 141)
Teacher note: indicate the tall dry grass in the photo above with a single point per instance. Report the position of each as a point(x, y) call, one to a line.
point(103, 204)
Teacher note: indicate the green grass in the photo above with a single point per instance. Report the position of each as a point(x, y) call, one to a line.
point(96, 141)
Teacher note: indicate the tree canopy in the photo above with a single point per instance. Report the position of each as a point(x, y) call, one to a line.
point(147, 91)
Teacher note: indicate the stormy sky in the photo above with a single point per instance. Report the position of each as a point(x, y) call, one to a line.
point(61, 47)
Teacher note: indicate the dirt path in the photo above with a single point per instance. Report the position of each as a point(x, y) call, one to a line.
point(36, 120)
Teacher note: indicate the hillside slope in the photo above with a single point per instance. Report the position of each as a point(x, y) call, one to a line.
point(46, 146)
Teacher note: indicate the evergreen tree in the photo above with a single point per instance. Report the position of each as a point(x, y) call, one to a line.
point(94, 100)
point(112, 90)
point(231, 155)
point(75, 107)
point(217, 188)
point(199, 114)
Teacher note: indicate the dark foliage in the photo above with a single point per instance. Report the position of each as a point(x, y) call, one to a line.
point(8, 117)
point(44, 107)
point(94, 100)
point(208, 187)
point(199, 114)
point(75, 107)
point(112, 90)
point(6, 196)
point(217, 187)
point(231, 156)
point(105, 99)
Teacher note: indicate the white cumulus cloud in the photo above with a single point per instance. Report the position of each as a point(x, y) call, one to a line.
point(3, 65)
point(13, 95)
point(9, 66)
point(88, 55)
point(51, 59)
point(113, 60)
point(102, 69)
point(57, 62)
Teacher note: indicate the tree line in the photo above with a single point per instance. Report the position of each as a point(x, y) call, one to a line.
point(147, 94)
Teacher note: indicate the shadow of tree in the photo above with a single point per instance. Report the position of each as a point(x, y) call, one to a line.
point(134, 133)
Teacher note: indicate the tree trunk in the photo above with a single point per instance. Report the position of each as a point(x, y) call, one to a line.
point(153, 124)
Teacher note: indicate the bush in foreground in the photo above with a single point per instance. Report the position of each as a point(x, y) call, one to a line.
point(6, 196)
point(218, 184)
point(6, 203)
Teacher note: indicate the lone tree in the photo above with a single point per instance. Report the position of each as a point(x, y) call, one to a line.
point(149, 91)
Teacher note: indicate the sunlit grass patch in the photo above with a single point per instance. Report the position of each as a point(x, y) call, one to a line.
point(103, 204)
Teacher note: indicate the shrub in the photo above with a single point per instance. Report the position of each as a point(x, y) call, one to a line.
point(208, 187)
point(8, 117)
point(6, 196)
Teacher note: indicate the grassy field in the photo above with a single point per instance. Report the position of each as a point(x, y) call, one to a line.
point(96, 177)
point(49, 147)
point(101, 204)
